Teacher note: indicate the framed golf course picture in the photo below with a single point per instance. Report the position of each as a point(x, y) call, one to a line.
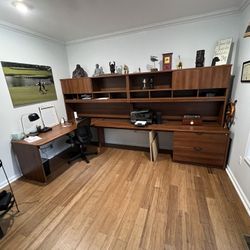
point(28, 83)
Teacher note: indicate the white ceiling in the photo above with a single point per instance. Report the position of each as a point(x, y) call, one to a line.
point(68, 20)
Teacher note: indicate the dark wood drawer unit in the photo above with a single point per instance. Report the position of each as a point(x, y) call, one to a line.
point(200, 148)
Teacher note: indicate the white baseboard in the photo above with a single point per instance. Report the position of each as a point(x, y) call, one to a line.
point(240, 192)
point(11, 179)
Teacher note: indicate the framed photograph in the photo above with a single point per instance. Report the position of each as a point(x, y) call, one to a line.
point(29, 83)
point(245, 74)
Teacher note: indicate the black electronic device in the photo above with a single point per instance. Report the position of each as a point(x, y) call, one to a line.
point(43, 130)
point(158, 118)
point(142, 115)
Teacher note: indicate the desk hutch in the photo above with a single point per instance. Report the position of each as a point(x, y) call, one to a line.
point(203, 91)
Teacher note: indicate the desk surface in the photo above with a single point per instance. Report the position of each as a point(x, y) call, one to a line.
point(56, 132)
point(170, 126)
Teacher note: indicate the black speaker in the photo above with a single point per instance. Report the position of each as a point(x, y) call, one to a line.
point(200, 58)
point(158, 118)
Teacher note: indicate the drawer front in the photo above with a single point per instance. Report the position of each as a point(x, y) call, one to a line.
point(200, 148)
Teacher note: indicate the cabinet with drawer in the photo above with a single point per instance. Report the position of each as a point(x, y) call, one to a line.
point(201, 148)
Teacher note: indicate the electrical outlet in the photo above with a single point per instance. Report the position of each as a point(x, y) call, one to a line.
point(241, 159)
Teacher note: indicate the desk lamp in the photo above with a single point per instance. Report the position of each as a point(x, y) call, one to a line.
point(32, 117)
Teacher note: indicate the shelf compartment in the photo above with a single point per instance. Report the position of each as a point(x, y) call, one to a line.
point(98, 109)
point(120, 95)
point(70, 96)
point(108, 84)
point(175, 111)
point(110, 91)
point(139, 94)
point(161, 80)
point(101, 95)
point(212, 92)
point(160, 94)
point(185, 93)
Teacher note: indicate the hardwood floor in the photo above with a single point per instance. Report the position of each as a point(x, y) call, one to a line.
point(123, 201)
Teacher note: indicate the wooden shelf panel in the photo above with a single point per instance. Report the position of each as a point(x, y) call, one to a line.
point(179, 99)
point(108, 76)
point(98, 101)
point(152, 99)
point(110, 91)
point(161, 89)
point(105, 116)
point(152, 73)
point(155, 89)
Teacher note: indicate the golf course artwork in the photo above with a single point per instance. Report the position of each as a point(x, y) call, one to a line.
point(29, 83)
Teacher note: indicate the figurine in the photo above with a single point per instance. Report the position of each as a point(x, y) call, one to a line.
point(151, 83)
point(144, 82)
point(200, 58)
point(119, 70)
point(126, 69)
point(215, 60)
point(112, 67)
point(179, 65)
point(98, 70)
point(230, 114)
point(154, 59)
point(79, 72)
point(139, 69)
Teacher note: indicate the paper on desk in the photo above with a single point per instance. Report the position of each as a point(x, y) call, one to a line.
point(32, 139)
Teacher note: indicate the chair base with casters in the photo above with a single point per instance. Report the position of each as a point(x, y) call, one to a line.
point(81, 139)
point(83, 154)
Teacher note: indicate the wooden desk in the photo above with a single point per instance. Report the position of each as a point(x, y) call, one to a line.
point(28, 154)
point(206, 144)
point(203, 91)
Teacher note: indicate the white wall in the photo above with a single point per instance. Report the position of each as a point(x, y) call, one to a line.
point(240, 172)
point(135, 50)
point(17, 47)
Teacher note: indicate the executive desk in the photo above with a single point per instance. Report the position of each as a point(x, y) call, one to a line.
point(203, 145)
point(206, 144)
point(28, 154)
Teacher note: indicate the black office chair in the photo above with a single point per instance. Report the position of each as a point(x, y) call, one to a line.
point(82, 138)
point(7, 200)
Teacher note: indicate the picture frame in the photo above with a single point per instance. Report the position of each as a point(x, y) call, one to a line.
point(245, 73)
point(29, 83)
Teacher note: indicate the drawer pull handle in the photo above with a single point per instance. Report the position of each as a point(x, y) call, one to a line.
point(198, 149)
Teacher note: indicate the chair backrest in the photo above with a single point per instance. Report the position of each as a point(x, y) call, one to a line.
point(83, 132)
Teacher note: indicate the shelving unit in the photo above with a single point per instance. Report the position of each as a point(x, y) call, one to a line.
point(175, 93)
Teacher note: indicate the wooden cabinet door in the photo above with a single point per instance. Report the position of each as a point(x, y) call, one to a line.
point(215, 77)
point(200, 148)
point(185, 79)
point(76, 86)
point(65, 86)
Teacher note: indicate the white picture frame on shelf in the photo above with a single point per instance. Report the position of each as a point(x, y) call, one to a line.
point(222, 50)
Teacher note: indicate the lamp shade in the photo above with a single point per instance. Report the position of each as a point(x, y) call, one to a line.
point(33, 117)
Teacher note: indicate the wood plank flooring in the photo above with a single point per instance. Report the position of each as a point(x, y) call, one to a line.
point(123, 201)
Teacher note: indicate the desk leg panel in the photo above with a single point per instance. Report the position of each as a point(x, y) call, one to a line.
point(30, 161)
point(101, 137)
